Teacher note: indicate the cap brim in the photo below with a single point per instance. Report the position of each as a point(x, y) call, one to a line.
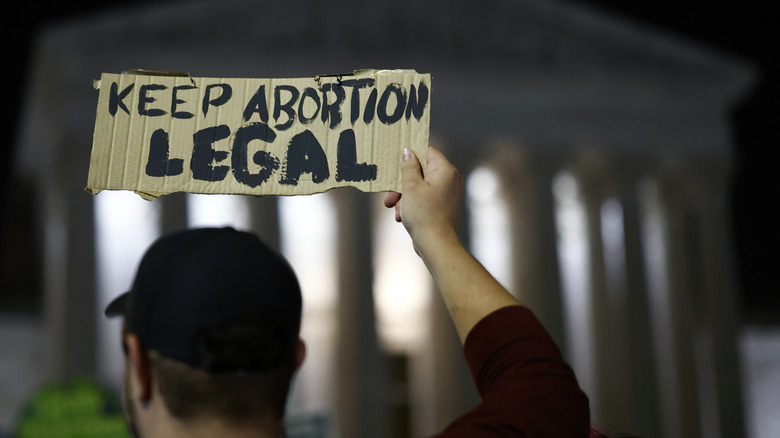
point(118, 307)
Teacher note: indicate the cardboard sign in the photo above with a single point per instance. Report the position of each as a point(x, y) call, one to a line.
point(162, 133)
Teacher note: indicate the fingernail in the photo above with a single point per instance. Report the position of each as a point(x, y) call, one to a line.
point(406, 154)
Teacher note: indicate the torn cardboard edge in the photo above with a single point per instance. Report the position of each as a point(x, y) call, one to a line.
point(164, 132)
point(96, 83)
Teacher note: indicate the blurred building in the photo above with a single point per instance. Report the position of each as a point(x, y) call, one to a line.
point(597, 156)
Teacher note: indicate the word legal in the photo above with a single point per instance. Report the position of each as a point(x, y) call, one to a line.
point(304, 156)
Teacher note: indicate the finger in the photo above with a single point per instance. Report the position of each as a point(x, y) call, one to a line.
point(435, 159)
point(391, 199)
point(411, 171)
point(432, 154)
point(398, 212)
point(439, 167)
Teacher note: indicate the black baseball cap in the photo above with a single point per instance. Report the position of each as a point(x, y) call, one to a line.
point(215, 298)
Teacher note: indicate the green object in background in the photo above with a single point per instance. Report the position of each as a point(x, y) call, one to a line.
point(307, 426)
point(77, 408)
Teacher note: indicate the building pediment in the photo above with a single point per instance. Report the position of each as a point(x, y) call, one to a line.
point(538, 35)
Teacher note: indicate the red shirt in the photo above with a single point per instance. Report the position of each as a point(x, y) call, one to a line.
point(527, 389)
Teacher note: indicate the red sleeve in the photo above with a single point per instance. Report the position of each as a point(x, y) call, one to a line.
point(527, 389)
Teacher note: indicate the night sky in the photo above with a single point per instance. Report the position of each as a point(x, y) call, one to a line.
point(745, 29)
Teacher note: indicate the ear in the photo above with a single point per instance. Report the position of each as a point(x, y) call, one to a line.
point(140, 367)
point(300, 353)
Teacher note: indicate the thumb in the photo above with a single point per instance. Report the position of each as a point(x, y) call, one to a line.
point(411, 172)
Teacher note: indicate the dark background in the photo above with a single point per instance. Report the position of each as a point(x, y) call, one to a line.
point(743, 29)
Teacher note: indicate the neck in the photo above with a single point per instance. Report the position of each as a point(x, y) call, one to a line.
point(215, 427)
point(154, 420)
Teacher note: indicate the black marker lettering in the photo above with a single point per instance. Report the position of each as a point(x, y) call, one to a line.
point(287, 107)
point(311, 93)
point(143, 99)
point(116, 99)
point(257, 104)
point(356, 84)
point(227, 92)
point(269, 163)
point(305, 155)
point(158, 163)
point(400, 100)
point(417, 102)
point(347, 167)
point(204, 156)
point(368, 113)
point(332, 111)
point(176, 101)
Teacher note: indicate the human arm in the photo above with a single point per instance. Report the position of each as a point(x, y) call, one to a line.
point(429, 210)
point(527, 388)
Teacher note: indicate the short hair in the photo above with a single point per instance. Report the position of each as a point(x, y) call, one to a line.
point(191, 392)
point(235, 395)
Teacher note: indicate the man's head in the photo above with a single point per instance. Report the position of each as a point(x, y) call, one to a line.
point(211, 328)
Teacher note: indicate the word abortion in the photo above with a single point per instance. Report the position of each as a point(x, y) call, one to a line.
point(289, 102)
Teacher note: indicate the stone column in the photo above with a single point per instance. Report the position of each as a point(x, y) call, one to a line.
point(642, 395)
point(52, 147)
point(361, 371)
point(173, 213)
point(70, 283)
point(590, 173)
point(526, 185)
point(670, 303)
point(611, 341)
point(264, 212)
point(543, 256)
point(536, 248)
point(722, 408)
